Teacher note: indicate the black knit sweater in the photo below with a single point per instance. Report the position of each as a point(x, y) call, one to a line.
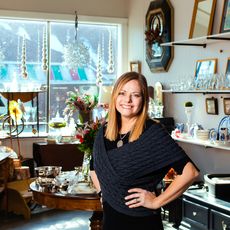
point(133, 165)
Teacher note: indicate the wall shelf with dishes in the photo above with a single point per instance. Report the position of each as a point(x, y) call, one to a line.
point(197, 91)
point(206, 144)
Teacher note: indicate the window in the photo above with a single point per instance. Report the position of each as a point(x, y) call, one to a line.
point(35, 53)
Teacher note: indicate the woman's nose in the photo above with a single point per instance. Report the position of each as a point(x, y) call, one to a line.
point(128, 97)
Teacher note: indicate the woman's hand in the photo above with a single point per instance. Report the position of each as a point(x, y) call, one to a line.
point(141, 197)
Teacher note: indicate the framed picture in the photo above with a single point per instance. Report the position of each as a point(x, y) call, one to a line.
point(202, 18)
point(227, 72)
point(159, 23)
point(211, 105)
point(227, 106)
point(205, 67)
point(135, 66)
point(225, 20)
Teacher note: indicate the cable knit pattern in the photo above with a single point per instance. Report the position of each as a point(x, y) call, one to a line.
point(120, 169)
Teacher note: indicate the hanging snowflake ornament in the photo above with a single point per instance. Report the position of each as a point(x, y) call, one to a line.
point(76, 54)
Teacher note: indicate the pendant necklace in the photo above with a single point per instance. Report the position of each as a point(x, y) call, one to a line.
point(120, 142)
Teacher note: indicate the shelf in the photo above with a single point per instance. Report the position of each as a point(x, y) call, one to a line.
point(201, 41)
point(197, 91)
point(206, 144)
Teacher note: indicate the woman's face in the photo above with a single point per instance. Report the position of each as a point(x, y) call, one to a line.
point(129, 99)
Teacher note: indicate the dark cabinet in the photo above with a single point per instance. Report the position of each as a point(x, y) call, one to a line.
point(219, 221)
point(200, 211)
point(66, 155)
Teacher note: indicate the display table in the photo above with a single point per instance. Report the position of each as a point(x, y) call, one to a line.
point(89, 202)
point(66, 155)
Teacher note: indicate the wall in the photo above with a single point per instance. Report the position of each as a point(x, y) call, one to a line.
point(183, 66)
point(103, 8)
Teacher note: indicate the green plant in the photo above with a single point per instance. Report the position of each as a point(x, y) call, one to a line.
point(188, 104)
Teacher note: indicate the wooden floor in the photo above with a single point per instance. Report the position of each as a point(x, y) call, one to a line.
point(50, 219)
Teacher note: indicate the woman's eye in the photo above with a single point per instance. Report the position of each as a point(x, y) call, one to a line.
point(137, 95)
point(121, 93)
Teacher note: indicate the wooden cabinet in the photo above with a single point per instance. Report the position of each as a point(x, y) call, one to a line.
point(200, 211)
point(66, 155)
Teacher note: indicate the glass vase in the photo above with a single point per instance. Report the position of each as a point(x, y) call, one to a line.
point(86, 166)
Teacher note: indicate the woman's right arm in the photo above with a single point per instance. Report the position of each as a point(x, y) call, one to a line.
point(95, 180)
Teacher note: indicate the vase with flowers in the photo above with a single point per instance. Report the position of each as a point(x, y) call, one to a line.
point(86, 128)
point(83, 103)
point(85, 134)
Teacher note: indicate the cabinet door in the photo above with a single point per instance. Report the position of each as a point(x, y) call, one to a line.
point(196, 215)
point(219, 221)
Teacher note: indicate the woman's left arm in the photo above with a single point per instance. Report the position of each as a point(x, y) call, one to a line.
point(141, 197)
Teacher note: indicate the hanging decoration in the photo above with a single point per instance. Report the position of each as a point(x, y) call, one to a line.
point(38, 48)
point(44, 51)
point(76, 53)
point(23, 59)
point(99, 66)
point(2, 57)
point(110, 68)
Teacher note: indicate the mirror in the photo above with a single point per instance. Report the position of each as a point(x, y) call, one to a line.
point(202, 18)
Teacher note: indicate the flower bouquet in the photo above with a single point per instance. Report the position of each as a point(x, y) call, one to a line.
point(85, 134)
point(82, 102)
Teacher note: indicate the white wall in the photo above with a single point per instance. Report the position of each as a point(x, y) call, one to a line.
point(183, 65)
point(103, 8)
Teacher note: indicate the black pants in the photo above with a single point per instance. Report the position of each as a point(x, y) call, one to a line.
point(113, 220)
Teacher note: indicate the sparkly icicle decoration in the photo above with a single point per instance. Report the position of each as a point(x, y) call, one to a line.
point(2, 57)
point(38, 49)
point(110, 68)
point(23, 61)
point(44, 51)
point(99, 70)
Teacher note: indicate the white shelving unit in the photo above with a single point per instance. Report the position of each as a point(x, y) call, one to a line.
point(202, 143)
point(197, 91)
point(201, 41)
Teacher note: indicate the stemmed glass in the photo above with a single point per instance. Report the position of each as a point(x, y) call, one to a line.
point(27, 113)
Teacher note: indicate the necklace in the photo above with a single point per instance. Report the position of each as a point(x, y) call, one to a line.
point(120, 142)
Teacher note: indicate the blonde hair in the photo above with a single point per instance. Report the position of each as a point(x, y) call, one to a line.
point(114, 117)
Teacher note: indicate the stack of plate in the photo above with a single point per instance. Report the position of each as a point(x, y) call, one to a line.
point(202, 134)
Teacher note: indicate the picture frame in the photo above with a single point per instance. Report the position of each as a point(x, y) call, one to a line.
point(227, 71)
point(202, 18)
point(211, 105)
point(225, 19)
point(226, 103)
point(205, 67)
point(159, 28)
point(135, 66)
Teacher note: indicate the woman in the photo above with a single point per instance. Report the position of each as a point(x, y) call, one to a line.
point(131, 156)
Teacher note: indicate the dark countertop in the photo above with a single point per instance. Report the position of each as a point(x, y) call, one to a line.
point(203, 196)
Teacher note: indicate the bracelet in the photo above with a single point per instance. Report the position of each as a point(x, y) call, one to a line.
point(99, 194)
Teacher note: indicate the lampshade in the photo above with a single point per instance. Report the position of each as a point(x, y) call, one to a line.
point(105, 94)
point(1, 103)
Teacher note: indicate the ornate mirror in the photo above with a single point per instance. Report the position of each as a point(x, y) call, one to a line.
point(202, 18)
point(159, 29)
